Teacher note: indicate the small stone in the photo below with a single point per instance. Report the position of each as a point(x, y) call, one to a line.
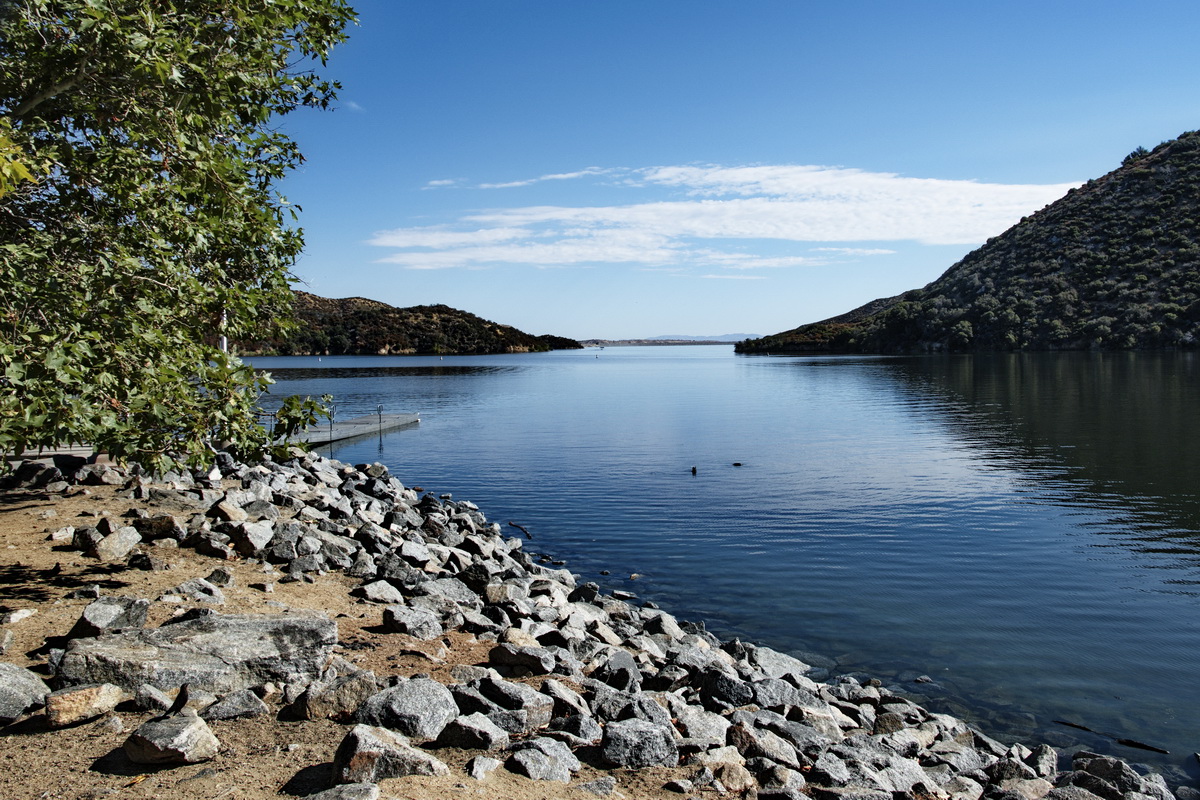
point(221, 576)
point(200, 590)
point(13, 617)
point(681, 785)
point(63, 535)
point(348, 791)
point(480, 767)
point(79, 703)
point(236, 705)
point(180, 739)
point(601, 787)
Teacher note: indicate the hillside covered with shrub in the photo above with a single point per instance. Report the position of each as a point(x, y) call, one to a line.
point(1115, 264)
point(358, 326)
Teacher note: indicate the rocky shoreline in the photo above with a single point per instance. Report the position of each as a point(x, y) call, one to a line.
point(563, 687)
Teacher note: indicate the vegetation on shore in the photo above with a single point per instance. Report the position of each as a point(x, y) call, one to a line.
point(1113, 265)
point(358, 326)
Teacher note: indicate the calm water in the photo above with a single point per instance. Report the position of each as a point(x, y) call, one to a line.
point(1025, 530)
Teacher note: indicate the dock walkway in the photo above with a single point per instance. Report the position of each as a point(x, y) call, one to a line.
point(359, 426)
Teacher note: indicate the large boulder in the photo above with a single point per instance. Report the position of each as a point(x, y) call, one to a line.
point(180, 739)
point(418, 707)
point(20, 690)
point(637, 743)
point(369, 754)
point(217, 653)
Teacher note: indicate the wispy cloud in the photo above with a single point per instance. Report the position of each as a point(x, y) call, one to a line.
point(561, 176)
point(733, 219)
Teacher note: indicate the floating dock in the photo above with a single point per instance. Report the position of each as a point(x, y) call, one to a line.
point(366, 425)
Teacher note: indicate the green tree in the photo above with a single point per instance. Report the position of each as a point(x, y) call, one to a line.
point(141, 221)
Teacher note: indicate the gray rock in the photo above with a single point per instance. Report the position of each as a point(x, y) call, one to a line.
point(522, 709)
point(200, 591)
point(251, 538)
point(20, 690)
point(637, 743)
point(551, 748)
point(217, 653)
point(6, 640)
point(180, 739)
point(775, 694)
point(380, 592)
point(480, 767)
point(110, 613)
point(474, 732)
point(416, 622)
point(370, 754)
point(760, 743)
point(620, 671)
point(337, 697)
point(537, 766)
point(566, 701)
point(721, 690)
point(576, 731)
point(703, 727)
point(236, 705)
point(418, 707)
point(348, 791)
point(528, 660)
point(151, 698)
point(601, 787)
point(117, 545)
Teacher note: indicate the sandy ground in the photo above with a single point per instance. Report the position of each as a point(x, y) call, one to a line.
point(260, 758)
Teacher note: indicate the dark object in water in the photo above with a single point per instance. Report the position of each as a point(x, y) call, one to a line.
point(737, 463)
point(1119, 740)
point(1142, 746)
point(693, 470)
point(522, 529)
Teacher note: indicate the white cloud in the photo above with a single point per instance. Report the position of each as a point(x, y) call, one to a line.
point(694, 208)
point(440, 184)
point(444, 238)
point(855, 251)
point(737, 277)
point(561, 176)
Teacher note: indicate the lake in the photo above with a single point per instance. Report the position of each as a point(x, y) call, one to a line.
point(1020, 532)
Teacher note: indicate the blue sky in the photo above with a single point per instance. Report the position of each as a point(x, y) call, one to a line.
point(619, 169)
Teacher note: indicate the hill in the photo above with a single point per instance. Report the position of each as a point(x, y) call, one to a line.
point(358, 326)
point(1115, 264)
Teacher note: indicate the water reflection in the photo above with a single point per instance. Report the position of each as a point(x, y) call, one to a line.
point(1111, 431)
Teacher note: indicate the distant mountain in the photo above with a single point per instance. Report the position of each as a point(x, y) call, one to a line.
point(358, 326)
point(1115, 264)
point(724, 337)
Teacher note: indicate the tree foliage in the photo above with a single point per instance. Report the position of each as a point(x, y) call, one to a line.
point(139, 218)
